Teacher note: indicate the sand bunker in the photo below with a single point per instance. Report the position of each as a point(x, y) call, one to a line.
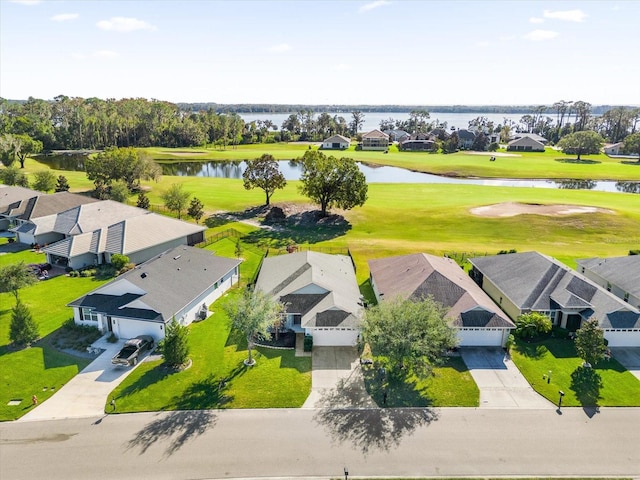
point(511, 209)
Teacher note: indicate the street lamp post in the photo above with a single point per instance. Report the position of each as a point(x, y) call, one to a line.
point(346, 473)
point(560, 399)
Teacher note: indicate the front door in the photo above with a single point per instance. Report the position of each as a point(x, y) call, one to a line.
point(109, 324)
point(573, 322)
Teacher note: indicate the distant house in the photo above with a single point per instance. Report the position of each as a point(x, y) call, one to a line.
point(614, 148)
point(92, 233)
point(320, 293)
point(180, 283)
point(532, 282)
point(476, 318)
point(395, 135)
point(534, 136)
point(525, 144)
point(11, 200)
point(618, 275)
point(375, 140)
point(337, 142)
point(411, 144)
point(466, 139)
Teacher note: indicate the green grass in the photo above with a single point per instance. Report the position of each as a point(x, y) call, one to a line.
point(251, 256)
point(36, 370)
point(619, 388)
point(27, 256)
point(277, 380)
point(450, 386)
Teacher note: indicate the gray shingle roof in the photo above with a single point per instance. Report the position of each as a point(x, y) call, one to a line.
point(168, 282)
point(303, 273)
point(419, 275)
point(12, 197)
point(624, 272)
point(44, 205)
point(337, 139)
point(93, 216)
point(533, 281)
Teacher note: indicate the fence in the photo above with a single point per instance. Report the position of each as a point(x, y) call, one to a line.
point(229, 232)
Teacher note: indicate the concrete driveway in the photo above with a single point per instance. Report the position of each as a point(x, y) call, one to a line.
point(336, 379)
point(629, 357)
point(86, 393)
point(500, 382)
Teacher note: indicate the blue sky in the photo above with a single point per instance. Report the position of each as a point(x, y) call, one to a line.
point(324, 52)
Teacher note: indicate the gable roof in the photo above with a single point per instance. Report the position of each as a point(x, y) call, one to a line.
point(329, 281)
point(375, 133)
point(337, 139)
point(11, 197)
point(93, 216)
point(51, 204)
point(526, 142)
point(533, 136)
point(420, 275)
point(170, 281)
point(534, 282)
point(624, 272)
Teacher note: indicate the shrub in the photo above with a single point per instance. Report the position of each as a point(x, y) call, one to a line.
point(504, 252)
point(634, 252)
point(119, 261)
point(308, 343)
point(112, 338)
point(529, 325)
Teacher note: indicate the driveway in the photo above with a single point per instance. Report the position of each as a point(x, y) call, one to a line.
point(500, 382)
point(336, 379)
point(86, 393)
point(629, 357)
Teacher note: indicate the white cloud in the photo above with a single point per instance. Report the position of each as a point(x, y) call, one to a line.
point(103, 54)
point(341, 67)
point(566, 15)
point(124, 24)
point(63, 17)
point(540, 35)
point(536, 20)
point(375, 4)
point(29, 3)
point(281, 47)
point(482, 44)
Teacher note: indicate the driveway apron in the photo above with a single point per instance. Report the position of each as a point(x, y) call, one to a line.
point(500, 382)
point(336, 379)
point(629, 357)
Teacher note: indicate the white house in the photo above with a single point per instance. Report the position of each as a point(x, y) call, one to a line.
point(337, 142)
point(320, 293)
point(525, 144)
point(180, 283)
point(477, 319)
point(614, 148)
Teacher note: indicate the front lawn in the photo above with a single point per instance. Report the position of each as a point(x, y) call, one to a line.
point(450, 386)
point(608, 384)
point(41, 369)
point(218, 377)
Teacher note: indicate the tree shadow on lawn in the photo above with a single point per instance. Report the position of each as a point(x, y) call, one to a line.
point(287, 358)
point(287, 235)
point(175, 428)
point(401, 391)
point(367, 429)
point(582, 161)
point(587, 383)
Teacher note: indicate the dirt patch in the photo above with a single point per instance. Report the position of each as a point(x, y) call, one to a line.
point(511, 209)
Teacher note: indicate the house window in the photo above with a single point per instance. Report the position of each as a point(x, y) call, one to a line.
point(88, 315)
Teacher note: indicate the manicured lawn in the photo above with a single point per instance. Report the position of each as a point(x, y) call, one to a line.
point(250, 255)
point(278, 380)
point(450, 386)
point(608, 384)
point(27, 256)
point(41, 369)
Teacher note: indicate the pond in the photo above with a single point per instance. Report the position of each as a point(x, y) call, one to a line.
point(374, 174)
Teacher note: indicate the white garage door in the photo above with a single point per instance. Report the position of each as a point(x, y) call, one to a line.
point(334, 338)
point(623, 339)
point(480, 337)
point(127, 328)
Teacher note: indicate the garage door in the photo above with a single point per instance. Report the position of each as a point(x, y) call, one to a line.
point(127, 328)
point(623, 339)
point(480, 337)
point(334, 338)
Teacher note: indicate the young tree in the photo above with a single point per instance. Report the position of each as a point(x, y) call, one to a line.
point(143, 201)
point(196, 209)
point(330, 182)
point(253, 313)
point(590, 343)
point(44, 181)
point(532, 324)
point(175, 345)
point(15, 276)
point(411, 334)
point(175, 199)
point(62, 185)
point(23, 329)
point(263, 172)
point(632, 144)
point(581, 143)
point(238, 250)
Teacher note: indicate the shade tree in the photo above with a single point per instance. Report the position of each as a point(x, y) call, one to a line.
point(264, 173)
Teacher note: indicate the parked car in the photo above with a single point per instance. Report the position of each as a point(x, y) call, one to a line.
point(132, 349)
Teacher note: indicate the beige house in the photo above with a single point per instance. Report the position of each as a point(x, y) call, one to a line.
point(525, 144)
point(337, 142)
point(375, 140)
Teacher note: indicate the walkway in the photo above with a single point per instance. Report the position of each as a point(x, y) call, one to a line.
point(500, 382)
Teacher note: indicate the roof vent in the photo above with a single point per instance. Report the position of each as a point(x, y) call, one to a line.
point(143, 275)
point(176, 257)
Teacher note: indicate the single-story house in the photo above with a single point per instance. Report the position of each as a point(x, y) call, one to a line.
point(90, 238)
point(466, 139)
point(531, 282)
point(337, 142)
point(396, 135)
point(614, 148)
point(476, 318)
point(618, 275)
point(534, 136)
point(11, 199)
point(410, 145)
point(525, 144)
point(375, 140)
point(320, 294)
point(180, 283)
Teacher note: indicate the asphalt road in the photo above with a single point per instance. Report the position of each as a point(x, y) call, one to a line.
point(320, 443)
